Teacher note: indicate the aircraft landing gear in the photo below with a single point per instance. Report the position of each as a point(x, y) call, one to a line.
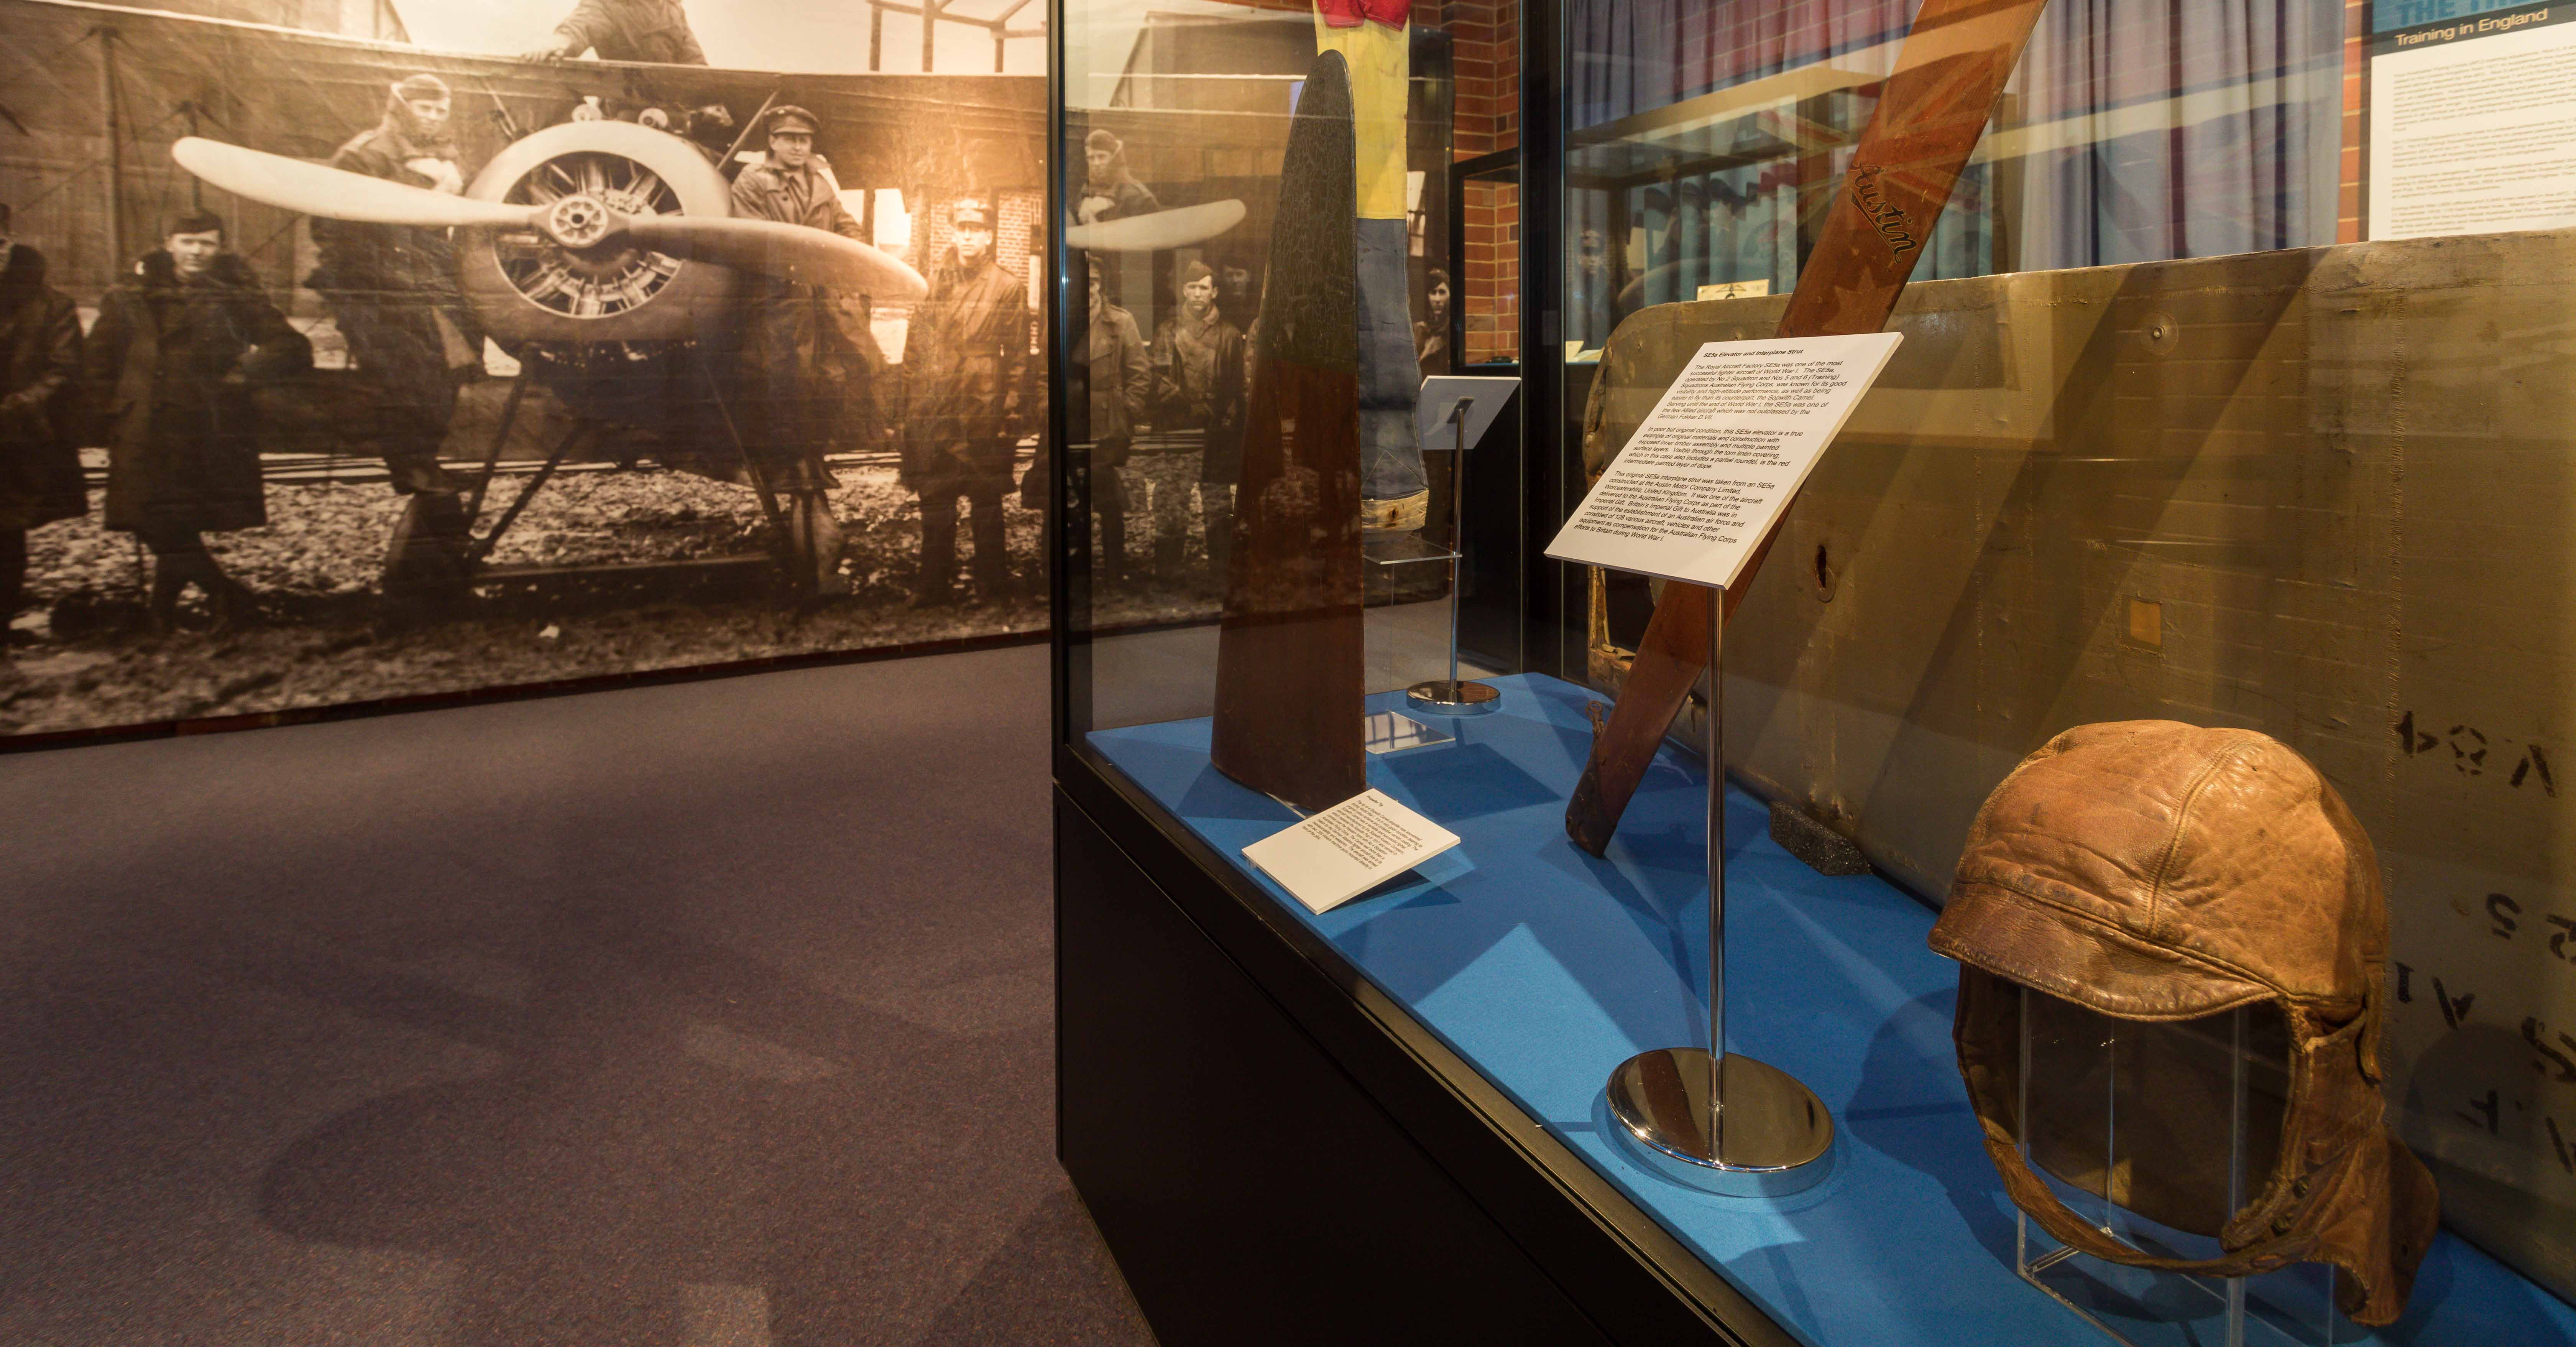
point(435, 557)
point(430, 553)
point(813, 544)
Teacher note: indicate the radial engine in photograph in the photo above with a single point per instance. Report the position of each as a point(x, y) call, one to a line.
point(606, 257)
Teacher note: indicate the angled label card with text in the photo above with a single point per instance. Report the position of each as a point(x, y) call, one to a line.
point(1722, 454)
point(1348, 849)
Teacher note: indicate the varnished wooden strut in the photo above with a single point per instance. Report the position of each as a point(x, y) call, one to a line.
point(1929, 117)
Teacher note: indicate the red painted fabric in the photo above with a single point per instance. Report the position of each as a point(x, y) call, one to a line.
point(1352, 13)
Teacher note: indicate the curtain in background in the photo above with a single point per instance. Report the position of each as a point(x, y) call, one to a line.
point(2160, 129)
point(1633, 56)
point(2135, 130)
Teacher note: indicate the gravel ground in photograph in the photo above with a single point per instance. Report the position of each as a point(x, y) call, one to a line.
point(82, 657)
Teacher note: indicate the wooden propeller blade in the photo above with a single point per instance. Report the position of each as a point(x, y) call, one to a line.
point(790, 252)
point(1291, 681)
point(1157, 231)
point(1929, 118)
point(308, 188)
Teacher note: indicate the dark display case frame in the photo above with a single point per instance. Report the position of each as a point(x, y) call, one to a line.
point(1282, 1143)
point(1273, 1148)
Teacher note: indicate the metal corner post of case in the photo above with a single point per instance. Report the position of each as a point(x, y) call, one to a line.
point(1715, 740)
point(1457, 526)
point(1718, 1121)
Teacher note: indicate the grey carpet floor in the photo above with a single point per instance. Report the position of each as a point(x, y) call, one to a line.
point(713, 1013)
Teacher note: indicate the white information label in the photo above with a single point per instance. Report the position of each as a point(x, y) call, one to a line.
point(2473, 125)
point(1349, 849)
point(1718, 459)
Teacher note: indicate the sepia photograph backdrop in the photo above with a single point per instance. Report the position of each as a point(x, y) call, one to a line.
point(299, 448)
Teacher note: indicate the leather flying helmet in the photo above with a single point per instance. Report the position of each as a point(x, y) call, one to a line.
point(2158, 872)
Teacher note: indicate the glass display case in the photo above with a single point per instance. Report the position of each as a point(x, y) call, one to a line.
point(2222, 399)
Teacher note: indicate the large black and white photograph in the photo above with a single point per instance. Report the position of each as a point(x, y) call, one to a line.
point(364, 350)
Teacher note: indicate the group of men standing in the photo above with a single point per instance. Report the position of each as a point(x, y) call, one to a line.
point(967, 367)
point(1192, 384)
point(967, 370)
point(163, 379)
point(166, 377)
point(1196, 373)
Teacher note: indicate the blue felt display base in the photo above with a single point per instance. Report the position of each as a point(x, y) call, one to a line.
point(1546, 968)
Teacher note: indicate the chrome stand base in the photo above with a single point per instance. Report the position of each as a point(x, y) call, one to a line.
point(1441, 697)
point(1777, 1137)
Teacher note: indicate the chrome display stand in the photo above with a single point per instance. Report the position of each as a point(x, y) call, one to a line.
point(2148, 1307)
point(1473, 404)
point(1712, 1119)
point(1451, 696)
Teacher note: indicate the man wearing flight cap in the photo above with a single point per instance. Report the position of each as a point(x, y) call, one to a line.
point(656, 31)
point(1110, 191)
point(1199, 385)
point(793, 183)
point(394, 292)
point(966, 362)
point(803, 343)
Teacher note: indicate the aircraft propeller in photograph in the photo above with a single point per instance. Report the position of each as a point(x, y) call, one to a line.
point(589, 235)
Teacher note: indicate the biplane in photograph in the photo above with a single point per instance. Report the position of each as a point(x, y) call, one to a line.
point(596, 238)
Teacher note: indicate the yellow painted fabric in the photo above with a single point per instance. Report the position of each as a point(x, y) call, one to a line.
point(1380, 59)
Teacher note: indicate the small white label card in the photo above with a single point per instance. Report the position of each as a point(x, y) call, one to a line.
point(1721, 455)
point(1348, 849)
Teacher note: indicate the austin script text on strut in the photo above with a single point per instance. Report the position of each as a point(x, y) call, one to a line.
point(1886, 219)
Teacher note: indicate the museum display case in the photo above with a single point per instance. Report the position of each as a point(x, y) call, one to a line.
point(2134, 826)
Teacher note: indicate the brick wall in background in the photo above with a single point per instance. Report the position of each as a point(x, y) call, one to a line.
point(1485, 37)
point(1487, 55)
point(1018, 236)
point(1015, 233)
point(1487, 60)
point(1490, 286)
